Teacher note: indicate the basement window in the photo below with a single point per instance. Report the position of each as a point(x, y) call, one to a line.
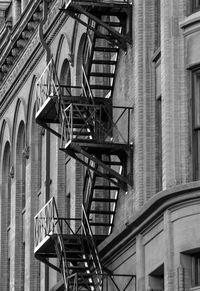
point(156, 279)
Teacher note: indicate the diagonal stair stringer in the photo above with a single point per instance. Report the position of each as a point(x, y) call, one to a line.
point(75, 150)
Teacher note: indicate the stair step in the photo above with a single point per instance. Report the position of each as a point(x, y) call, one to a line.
point(96, 74)
point(105, 36)
point(106, 175)
point(79, 268)
point(100, 224)
point(109, 200)
point(102, 212)
point(76, 259)
point(73, 243)
point(104, 62)
point(75, 252)
point(100, 87)
point(105, 49)
point(78, 125)
point(105, 187)
point(112, 163)
point(82, 133)
point(112, 23)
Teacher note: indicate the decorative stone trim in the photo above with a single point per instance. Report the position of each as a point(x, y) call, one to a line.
point(28, 51)
point(12, 172)
point(26, 152)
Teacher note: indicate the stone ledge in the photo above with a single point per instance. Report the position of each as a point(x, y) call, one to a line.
point(190, 20)
point(151, 210)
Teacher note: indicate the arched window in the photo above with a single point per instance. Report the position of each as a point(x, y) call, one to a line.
point(36, 181)
point(82, 58)
point(21, 202)
point(5, 218)
point(65, 78)
point(7, 181)
point(36, 160)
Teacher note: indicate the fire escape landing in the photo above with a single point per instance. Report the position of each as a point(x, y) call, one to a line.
point(95, 133)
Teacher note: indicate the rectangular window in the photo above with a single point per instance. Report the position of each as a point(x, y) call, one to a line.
point(196, 270)
point(196, 124)
point(157, 25)
point(158, 125)
point(195, 5)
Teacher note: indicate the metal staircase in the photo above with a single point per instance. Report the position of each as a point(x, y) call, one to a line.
point(78, 259)
point(100, 200)
point(95, 133)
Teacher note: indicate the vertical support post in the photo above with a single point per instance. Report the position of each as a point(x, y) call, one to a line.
point(140, 263)
point(181, 284)
point(24, 4)
point(168, 261)
point(128, 126)
point(16, 10)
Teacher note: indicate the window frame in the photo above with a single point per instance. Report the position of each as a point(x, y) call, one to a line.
point(195, 271)
point(194, 6)
point(196, 123)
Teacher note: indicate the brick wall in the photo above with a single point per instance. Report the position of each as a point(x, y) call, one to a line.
point(175, 104)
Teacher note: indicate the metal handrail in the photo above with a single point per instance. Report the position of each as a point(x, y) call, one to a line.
point(87, 88)
point(96, 272)
point(44, 223)
point(47, 222)
point(88, 185)
point(94, 257)
point(47, 85)
point(67, 2)
point(93, 123)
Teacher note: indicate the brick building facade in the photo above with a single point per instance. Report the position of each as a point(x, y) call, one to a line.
point(135, 145)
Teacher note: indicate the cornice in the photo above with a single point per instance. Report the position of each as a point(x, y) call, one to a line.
point(32, 53)
point(5, 4)
point(149, 213)
point(19, 28)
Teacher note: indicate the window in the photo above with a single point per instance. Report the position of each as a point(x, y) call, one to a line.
point(196, 270)
point(195, 5)
point(5, 213)
point(157, 25)
point(158, 117)
point(196, 124)
point(21, 155)
point(156, 279)
point(158, 95)
point(65, 79)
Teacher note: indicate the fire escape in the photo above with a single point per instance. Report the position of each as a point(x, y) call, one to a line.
point(95, 133)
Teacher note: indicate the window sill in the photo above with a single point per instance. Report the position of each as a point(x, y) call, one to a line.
point(190, 20)
point(195, 288)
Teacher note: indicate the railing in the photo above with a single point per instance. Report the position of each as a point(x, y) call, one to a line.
point(92, 254)
point(86, 116)
point(86, 87)
point(45, 223)
point(48, 222)
point(118, 282)
point(66, 3)
point(47, 85)
point(72, 283)
point(97, 124)
point(88, 185)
